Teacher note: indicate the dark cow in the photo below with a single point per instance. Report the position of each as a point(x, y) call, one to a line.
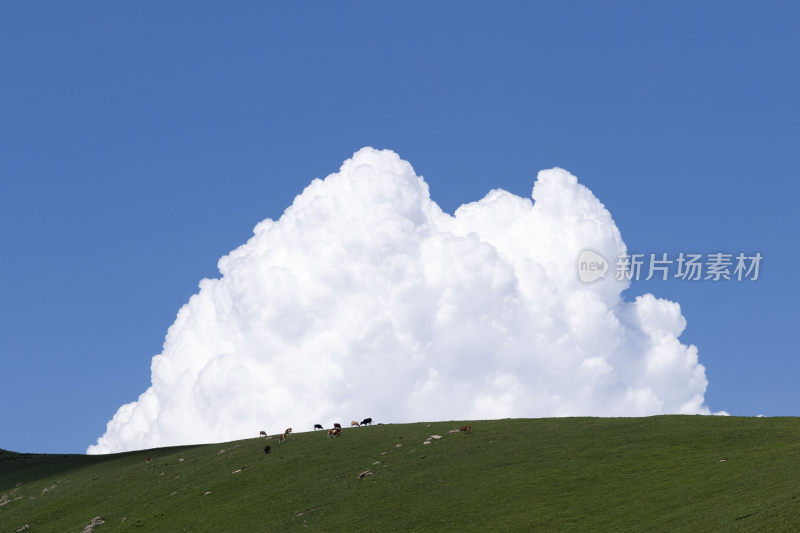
point(148, 460)
point(317, 426)
point(337, 425)
point(267, 448)
point(466, 429)
point(366, 422)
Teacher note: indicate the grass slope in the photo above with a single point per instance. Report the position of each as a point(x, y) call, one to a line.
point(667, 473)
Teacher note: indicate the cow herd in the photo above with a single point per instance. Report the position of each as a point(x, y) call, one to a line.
point(335, 431)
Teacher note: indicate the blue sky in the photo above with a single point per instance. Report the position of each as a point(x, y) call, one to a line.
point(139, 143)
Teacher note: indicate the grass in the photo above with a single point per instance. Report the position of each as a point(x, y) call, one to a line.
point(666, 473)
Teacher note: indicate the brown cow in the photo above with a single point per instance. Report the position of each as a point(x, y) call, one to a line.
point(353, 424)
point(262, 434)
point(288, 431)
point(466, 429)
point(337, 425)
point(335, 432)
point(282, 439)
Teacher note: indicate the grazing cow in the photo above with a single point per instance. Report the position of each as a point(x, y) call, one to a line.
point(262, 434)
point(353, 424)
point(337, 425)
point(335, 432)
point(148, 460)
point(267, 448)
point(317, 426)
point(282, 438)
point(366, 422)
point(288, 432)
point(466, 429)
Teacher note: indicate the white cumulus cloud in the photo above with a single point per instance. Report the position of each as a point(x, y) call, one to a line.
point(365, 299)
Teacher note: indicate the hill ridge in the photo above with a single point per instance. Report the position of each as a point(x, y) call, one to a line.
point(668, 473)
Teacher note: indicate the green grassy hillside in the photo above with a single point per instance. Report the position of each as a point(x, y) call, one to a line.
point(669, 473)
